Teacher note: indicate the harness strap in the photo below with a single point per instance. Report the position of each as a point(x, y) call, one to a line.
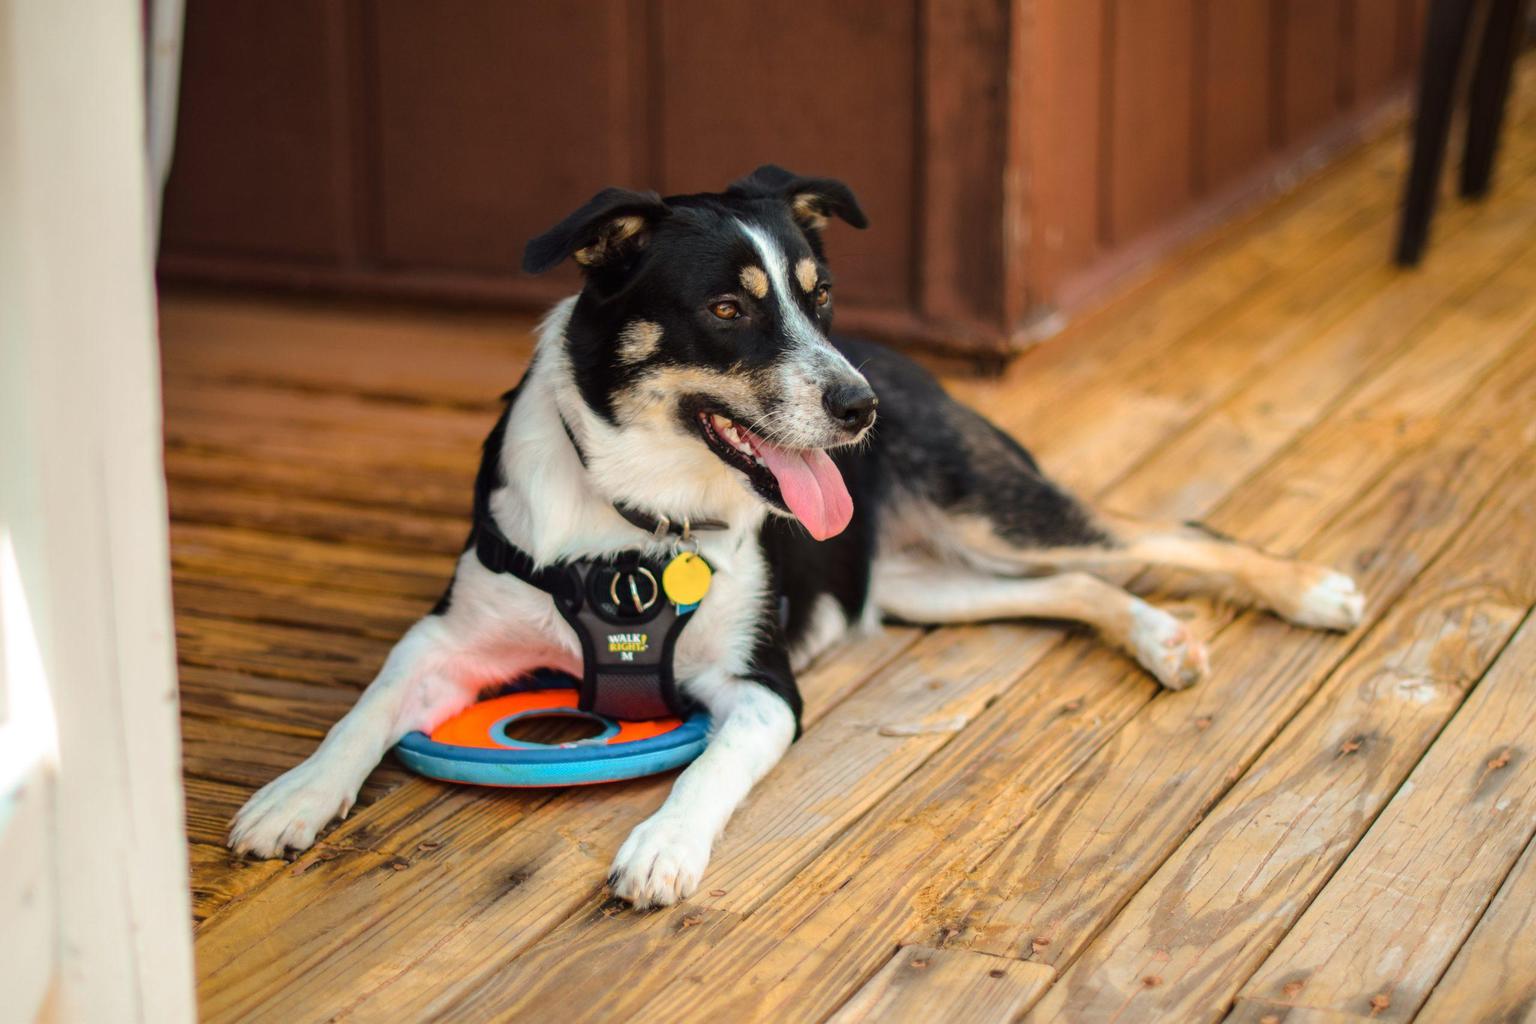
point(498, 554)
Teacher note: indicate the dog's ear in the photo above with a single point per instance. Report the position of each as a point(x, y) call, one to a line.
point(811, 200)
point(609, 226)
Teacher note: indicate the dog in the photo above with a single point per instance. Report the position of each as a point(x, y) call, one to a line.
point(695, 380)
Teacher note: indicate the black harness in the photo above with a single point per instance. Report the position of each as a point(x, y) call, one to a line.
point(627, 626)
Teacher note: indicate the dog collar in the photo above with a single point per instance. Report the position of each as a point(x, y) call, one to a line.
point(657, 526)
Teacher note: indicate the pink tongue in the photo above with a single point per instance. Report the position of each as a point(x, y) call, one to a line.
point(812, 488)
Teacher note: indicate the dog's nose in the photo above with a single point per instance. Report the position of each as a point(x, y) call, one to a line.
point(852, 405)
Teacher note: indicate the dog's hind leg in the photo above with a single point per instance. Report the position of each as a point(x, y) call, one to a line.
point(922, 591)
point(966, 492)
point(1304, 593)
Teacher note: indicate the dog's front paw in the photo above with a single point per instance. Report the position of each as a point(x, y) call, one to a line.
point(660, 863)
point(287, 813)
point(1167, 648)
point(1324, 599)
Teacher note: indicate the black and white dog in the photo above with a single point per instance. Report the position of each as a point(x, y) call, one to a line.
point(694, 379)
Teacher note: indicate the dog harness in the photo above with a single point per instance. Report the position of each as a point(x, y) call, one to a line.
point(628, 612)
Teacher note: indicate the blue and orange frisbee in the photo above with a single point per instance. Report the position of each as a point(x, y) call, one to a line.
point(475, 747)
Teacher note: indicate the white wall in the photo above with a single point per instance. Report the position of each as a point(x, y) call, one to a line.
point(91, 848)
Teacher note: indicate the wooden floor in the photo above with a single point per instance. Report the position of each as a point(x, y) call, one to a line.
point(980, 823)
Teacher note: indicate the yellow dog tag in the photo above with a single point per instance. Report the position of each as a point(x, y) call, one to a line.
point(686, 579)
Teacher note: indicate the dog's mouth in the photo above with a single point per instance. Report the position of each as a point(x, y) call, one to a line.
point(801, 481)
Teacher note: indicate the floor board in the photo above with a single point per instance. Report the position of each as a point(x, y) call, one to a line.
point(1002, 821)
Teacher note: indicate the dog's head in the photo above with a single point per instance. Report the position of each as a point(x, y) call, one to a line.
point(704, 323)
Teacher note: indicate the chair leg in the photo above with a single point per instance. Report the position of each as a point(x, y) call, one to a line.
point(1445, 39)
point(1490, 92)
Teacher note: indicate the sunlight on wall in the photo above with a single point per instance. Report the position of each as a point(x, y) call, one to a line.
point(28, 735)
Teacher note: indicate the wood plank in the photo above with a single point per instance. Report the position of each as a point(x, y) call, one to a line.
point(1324, 375)
point(219, 878)
point(249, 758)
point(210, 808)
point(1374, 44)
point(924, 983)
point(1212, 911)
point(392, 355)
point(1214, 280)
point(277, 511)
point(221, 553)
point(1382, 931)
point(262, 702)
point(1260, 1013)
point(327, 473)
point(1348, 289)
point(1311, 60)
point(1066, 77)
point(958, 194)
point(244, 411)
point(1493, 977)
point(285, 652)
point(1411, 28)
point(1235, 115)
point(383, 616)
point(1150, 161)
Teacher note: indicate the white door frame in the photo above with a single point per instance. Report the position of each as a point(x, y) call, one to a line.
point(93, 870)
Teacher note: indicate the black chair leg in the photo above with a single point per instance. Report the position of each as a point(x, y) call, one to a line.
point(1490, 91)
point(1445, 39)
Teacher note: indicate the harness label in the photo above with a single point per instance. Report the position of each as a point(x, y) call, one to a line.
point(627, 645)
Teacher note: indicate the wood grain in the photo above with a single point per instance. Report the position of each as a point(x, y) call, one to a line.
point(1150, 173)
point(923, 983)
point(1390, 921)
point(1062, 879)
point(219, 878)
point(1235, 128)
point(1206, 919)
point(1493, 977)
point(223, 553)
point(1312, 61)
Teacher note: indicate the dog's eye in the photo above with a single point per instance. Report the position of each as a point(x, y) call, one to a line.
point(725, 310)
point(823, 295)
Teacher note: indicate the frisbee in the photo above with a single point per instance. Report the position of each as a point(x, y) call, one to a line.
point(475, 747)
